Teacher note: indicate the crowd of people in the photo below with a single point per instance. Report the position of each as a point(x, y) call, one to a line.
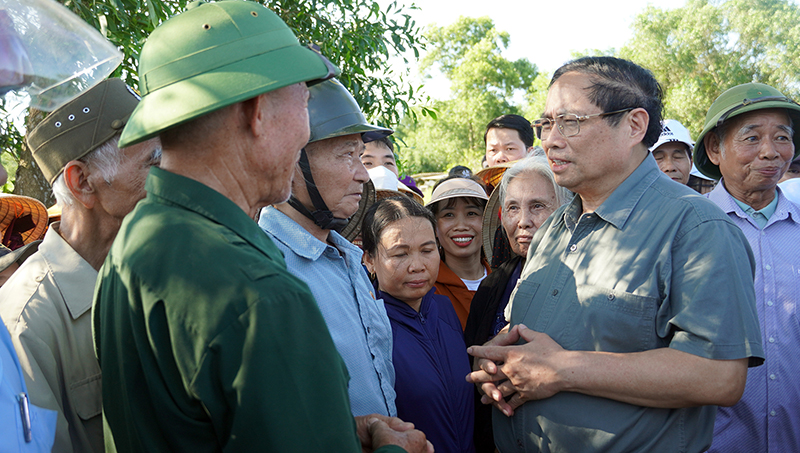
point(240, 266)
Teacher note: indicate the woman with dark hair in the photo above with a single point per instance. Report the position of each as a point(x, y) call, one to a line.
point(429, 355)
point(457, 204)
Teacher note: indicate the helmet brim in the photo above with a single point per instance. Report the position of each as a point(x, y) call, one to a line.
point(206, 92)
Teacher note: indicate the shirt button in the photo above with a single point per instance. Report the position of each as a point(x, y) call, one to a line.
point(39, 278)
point(555, 292)
point(772, 413)
point(772, 376)
point(769, 303)
point(768, 267)
point(611, 297)
point(573, 247)
point(772, 339)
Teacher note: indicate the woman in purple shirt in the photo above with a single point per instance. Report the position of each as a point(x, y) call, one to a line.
point(429, 355)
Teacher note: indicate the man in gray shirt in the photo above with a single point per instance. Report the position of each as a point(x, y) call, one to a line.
point(640, 307)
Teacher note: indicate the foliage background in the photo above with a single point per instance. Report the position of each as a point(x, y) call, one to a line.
point(359, 36)
point(695, 51)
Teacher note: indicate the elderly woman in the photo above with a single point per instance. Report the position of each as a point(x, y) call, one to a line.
point(457, 204)
point(527, 195)
point(429, 355)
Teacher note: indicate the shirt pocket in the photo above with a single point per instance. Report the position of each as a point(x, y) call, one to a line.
point(609, 320)
point(86, 397)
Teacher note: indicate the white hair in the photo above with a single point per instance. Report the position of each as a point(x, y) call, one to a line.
point(534, 164)
point(105, 159)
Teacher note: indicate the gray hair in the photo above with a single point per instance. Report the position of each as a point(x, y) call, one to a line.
point(536, 164)
point(105, 159)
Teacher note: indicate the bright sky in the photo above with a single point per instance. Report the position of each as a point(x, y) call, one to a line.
point(544, 32)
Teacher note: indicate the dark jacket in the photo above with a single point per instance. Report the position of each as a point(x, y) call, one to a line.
point(431, 363)
point(478, 330)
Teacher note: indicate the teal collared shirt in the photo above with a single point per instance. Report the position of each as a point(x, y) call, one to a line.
point(761, 216)
point(656, 265)
point(206, 342)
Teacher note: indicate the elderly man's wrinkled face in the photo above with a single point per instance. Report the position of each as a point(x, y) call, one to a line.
point(674, 160)
point(530, 199)
point(755, 152)
point(503, 145)
point(338, 173)
point(120, 194)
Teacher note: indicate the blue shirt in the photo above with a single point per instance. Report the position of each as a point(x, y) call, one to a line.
point(432, 364)
point(357, 322)
point(655, 266)
point(12, 384)
point(767, 418)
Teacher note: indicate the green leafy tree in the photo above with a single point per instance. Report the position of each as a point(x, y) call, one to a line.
point(700, 50)
point(483, 84)
point(359, 36)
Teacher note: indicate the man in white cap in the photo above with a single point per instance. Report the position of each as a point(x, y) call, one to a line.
point(673, 151)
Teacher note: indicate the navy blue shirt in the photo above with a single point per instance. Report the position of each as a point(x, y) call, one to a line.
point(431, 363)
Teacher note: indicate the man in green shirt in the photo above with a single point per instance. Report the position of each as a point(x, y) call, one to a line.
point(206, 342)
point(635, 312)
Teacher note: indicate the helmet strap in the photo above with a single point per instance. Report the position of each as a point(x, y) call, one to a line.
point(322, 216)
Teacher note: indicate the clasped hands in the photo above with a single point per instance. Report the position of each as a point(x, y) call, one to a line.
point(508, 374)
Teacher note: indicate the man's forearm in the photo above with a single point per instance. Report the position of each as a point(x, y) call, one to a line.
point(663, 377)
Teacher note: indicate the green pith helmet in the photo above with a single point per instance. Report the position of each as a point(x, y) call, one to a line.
point(735, 101)
point(214, 55)
point(333, 112)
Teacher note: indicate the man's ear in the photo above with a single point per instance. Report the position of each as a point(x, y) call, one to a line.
point(638, 119)
point(76, 178)
point(711, 142)
point(254, 114)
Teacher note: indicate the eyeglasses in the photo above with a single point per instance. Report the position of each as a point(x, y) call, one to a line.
point(568, 124)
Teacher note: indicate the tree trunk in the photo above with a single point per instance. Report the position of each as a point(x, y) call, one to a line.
point(30, 180)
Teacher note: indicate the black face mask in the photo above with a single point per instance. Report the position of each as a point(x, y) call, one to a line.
point(322, 216)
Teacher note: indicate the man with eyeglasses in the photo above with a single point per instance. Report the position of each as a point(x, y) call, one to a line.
point(639, 308)
point(749, 141)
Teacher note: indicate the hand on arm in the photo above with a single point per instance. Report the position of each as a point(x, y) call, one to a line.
point(661, 377)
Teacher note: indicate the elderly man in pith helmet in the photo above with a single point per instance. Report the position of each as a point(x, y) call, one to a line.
point(749, 140)
point(47, 303)
point(206, 341)
point(327, 191)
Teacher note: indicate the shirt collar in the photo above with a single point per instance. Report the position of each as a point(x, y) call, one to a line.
point(73, 275)
point(618, 206)
point(783, 207)
point(298, 239)
point(197, 197)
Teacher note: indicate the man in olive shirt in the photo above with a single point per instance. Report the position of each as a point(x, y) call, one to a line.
point(46, 305)
point(206, 342)
point(638, 294)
